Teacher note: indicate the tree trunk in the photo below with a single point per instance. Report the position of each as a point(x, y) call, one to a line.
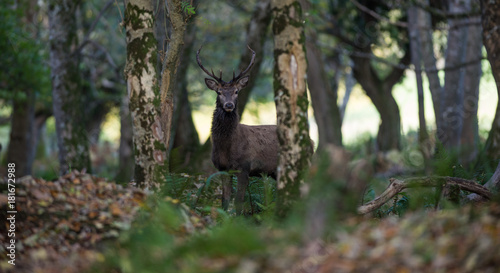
point(151, 157)
point(349, 83)
point(170, 65)
point(491, 36)
point(291, 101)
point(380, 93)
point(428, 58)
point(389, 130)
point(450, 107)
point(469, 137)
point(494, 183)
point(256, 34)
point(323, 97)
point(125, 151)
point(185, 137)
point(22, 133)
point(416, 58)
point(66, 87)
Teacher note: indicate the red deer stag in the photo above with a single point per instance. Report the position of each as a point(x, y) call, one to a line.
point(250, 150)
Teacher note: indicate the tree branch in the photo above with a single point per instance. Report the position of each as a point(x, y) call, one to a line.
point(86, 39)
point(397, 186)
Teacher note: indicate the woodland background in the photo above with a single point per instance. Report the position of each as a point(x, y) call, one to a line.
point(398, 89)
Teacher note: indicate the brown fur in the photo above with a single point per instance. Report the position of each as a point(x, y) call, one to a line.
point(250, 150)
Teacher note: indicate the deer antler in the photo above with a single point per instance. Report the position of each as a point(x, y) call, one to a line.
point(218, 79)
point(242, 73)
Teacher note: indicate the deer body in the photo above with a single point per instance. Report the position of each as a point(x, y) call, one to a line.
point(250, 150)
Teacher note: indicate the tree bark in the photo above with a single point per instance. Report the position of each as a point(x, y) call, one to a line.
point(169, 68)
point(151, 157)
point(185, 137)
point(323, 96)
point(491, 36)
point(22, 133)
point(429, 60)
point(66, 87)
point(380, 93)
point(125, 151)
point(450, 107)
point(397, 186)
point(256, 34)
point(469, 137)
point(416, 56)
point(291, 101)
point(494, 183)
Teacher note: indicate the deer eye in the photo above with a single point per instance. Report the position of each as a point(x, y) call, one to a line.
point(236, 92)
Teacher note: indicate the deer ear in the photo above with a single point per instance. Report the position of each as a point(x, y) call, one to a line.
point(212, 84)
point(242, 82)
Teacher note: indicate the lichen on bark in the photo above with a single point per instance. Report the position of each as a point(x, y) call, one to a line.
point(291, 101)
point(150, 150)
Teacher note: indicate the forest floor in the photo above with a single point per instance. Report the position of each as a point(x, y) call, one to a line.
point(81, 223)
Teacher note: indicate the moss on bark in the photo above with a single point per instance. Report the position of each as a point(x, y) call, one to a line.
point(291, 102)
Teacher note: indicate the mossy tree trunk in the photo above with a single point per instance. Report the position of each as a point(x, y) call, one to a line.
point(144, 95)
point(170, 65)
point(185, 139)
point(66, 86)
point(291, 101)
point(491, 37)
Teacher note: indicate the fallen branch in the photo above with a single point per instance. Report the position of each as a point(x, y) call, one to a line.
point(397, 186)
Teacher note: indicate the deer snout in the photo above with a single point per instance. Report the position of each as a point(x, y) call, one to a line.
point(228, 106)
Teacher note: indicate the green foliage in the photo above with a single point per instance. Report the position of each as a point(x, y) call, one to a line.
point(188, 8)
point(157, 241)
point(399, 207)
point(22, 56)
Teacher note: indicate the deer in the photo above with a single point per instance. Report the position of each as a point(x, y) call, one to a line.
point(248, 150)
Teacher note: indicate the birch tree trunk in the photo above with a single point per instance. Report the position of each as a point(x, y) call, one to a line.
point(144, 95)
point(291, 101)
point(66, 86)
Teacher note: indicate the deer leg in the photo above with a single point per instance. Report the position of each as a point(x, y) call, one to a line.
point(240, 194)
point(227, 188)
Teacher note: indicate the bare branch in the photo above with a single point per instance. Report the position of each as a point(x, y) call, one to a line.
point(93, 26)
point(397, 186)
point(378, 16)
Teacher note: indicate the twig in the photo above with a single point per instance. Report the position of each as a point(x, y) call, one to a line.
point(86, 38)
point(378, 16)
point(397, 186)
point(474, 16)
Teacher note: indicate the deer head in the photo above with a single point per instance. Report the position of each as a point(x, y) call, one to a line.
point(227, 92)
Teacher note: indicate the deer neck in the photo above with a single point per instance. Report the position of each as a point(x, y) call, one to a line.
point(224, 124)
